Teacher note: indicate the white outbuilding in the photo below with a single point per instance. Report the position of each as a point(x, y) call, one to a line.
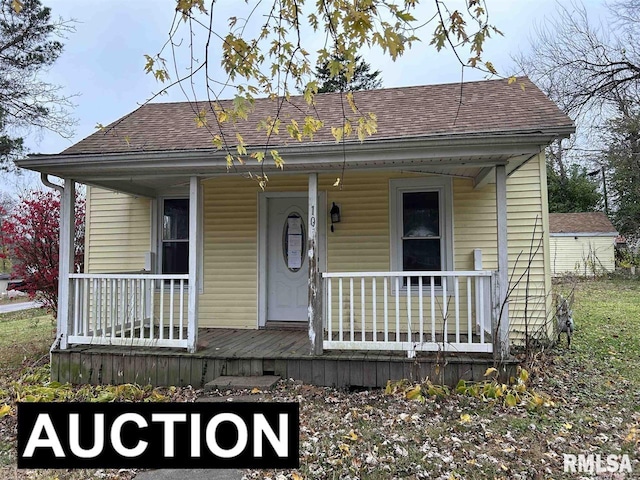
point(581, 243)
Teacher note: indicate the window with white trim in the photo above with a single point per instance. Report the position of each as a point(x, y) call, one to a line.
point(421, 225)
point(175, 236)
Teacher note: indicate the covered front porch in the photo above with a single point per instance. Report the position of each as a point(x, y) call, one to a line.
point(383, 312)
point(224, 352)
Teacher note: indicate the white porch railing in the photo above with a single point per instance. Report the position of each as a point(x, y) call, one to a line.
point(128, 309)
point(409, 311)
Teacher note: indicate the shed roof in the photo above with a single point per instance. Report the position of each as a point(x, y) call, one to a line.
point(587, 222)
point(483, 107)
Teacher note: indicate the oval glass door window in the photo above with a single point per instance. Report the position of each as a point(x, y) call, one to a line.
point(293, 241)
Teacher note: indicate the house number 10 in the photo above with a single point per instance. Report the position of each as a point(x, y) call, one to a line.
point(312, 218)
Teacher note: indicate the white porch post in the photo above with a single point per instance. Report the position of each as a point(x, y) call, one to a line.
point(194, 264)
point(501, 327)
point(66, 259)
point(315, 295)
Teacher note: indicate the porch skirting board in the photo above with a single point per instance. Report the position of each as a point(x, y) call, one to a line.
point(261, 352)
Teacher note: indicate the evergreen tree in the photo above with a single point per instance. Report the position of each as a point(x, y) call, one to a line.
point(28, 45)
point(573, 192)
point(334, 76)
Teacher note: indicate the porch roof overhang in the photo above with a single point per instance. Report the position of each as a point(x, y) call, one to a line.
point(149, 173)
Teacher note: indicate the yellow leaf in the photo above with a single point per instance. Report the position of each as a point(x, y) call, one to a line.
point(309, 91)
point(524, 375)
point(17, 6)
point(217, 141)
point(337, 133)
point(511, 80)
point(277, 159)
point(256, 390)
point(222, 116)
point(490, 371)
point(568, 426)
point(504, 467)
point(259, 156)
point(295, 476)
point(4, 410)
point(242, 150)
point(348, 128)
point(201, 118)
point(148, 67)
point(510, 400)
point(337, 182)
point(631, 437)
point(161, 75)
point(344, 448)
point(352, 102)
point(414, 393)
point(465, 418)
point(351, 436)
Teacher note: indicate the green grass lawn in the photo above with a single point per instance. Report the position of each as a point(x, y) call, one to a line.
point(25, 336)
point(607, 315)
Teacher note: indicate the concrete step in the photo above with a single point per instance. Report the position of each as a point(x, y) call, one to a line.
point(230, 382)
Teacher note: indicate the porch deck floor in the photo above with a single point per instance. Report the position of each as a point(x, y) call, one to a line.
point(286, 353)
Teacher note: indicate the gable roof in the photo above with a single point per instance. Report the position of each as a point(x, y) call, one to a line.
point(492, 107)
point(581, 223)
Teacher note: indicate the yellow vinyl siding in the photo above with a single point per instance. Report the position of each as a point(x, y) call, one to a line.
point(527, 207)
point(230, 292)
point(474, 215)
point(360, 241)
point(582, 255)
point(118, 231)
point(120, 228)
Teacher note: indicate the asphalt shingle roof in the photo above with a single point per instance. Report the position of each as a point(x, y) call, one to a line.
point(589, 222)
point(492, 106)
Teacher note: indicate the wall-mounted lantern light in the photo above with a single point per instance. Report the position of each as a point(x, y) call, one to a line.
point(335, 214)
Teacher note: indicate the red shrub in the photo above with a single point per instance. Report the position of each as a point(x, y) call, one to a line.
point(33, 235)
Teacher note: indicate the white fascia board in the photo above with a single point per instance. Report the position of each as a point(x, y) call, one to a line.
point(400, 152)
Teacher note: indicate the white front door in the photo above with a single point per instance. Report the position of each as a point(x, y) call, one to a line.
point(287, 266)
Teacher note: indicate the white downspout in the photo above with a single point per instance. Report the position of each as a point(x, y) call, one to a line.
point(44, 178)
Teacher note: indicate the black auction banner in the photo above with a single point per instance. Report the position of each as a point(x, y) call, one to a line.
point(158, 435)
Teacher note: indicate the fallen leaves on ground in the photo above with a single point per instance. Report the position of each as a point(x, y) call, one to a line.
point(588, 404)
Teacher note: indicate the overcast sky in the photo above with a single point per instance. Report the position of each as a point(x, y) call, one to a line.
point(103, 60)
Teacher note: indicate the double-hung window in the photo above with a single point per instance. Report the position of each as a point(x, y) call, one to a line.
point(421, 236)
point(421, 225)
point(175, 235)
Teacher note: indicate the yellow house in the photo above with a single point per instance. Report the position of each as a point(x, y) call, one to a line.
point(434, 241)
point(582, 243)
